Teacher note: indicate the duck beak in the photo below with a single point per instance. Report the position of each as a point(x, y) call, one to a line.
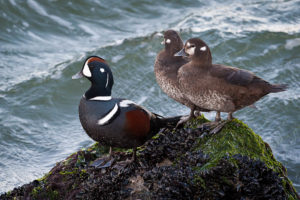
point(77, 75)
point(181, 53)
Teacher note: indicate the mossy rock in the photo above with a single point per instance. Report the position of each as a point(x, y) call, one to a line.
point(237, 138)
point(186, 163)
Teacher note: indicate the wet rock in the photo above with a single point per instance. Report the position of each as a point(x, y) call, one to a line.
point(187, 163)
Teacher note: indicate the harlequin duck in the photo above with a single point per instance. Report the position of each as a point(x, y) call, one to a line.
point(112, 121)
point(218, 87)
point(166, 67)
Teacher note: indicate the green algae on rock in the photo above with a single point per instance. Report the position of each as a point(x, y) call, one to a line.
point(237, 138)
point(187, 163)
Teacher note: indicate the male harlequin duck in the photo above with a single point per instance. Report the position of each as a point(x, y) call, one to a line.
point(166, 67)
point(112, 121)
point(218, 87)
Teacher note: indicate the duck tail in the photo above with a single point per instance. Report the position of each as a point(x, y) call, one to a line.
point(278, 88)
point(169, 122)
point(164, 122)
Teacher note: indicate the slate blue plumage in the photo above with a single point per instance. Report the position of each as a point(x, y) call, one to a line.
point(111, 121)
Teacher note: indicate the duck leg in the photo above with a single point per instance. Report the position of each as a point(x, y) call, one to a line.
point(230, 117)
point(133, 159)
point(104, 161)
point(110, 152)
point(185, 119)
point(219, 125)
point(197, 113)
point(218, 116)
point(127, 161)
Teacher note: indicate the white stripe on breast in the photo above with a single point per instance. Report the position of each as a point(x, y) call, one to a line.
point(110, 115)
point(126, 103)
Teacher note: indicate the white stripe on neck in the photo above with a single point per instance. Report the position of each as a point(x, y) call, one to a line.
point(110, 115)
point(101, 98)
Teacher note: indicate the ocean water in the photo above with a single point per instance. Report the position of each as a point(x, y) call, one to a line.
point(43, 43)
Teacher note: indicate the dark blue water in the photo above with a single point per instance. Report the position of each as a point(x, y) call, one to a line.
point(43, 43)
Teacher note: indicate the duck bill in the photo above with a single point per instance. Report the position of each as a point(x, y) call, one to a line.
point(181, 53)
point(77, 75)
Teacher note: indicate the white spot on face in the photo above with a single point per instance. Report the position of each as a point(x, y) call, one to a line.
point(168, 41)
point(126, 103)
point(102, 70)
point(86, 70)
point(188, 44)
point(203, 48)
point(190, 51)
point(110, 115)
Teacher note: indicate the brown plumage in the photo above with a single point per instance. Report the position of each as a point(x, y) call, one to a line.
point(218, 87)
point(166, 67)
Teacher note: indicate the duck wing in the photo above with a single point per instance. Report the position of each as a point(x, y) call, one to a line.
point(233, 75)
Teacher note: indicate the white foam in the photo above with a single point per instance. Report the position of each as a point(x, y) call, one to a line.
point(117, 58)
point(233, 22)
point(88, 30)
point(292, 43)
point(40, 10)
point(13, 2)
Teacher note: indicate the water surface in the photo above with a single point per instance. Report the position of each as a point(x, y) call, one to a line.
point(43, 43)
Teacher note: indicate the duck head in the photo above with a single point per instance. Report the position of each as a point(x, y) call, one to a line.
point(196, 50)
point(96, 70)
point(172, 42)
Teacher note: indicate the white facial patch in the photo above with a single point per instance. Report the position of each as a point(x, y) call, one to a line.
point(190, 51)
point(126, 103)
point(86, 70)
point(102, 70)
point(168, 41)
point(203, 48)
point(110, 115)
point(188, 44)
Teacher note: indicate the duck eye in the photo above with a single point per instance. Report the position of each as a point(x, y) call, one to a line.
point(192, 46)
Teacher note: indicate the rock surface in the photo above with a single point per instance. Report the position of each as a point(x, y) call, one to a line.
point(187, 163)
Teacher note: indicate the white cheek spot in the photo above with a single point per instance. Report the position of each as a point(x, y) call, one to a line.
point(203, 48)
point(102, 70)
point(86, 70)
point(126, 103)
point(168, 41)
point(188, 44)
point(191, 51)
point(110, 115)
